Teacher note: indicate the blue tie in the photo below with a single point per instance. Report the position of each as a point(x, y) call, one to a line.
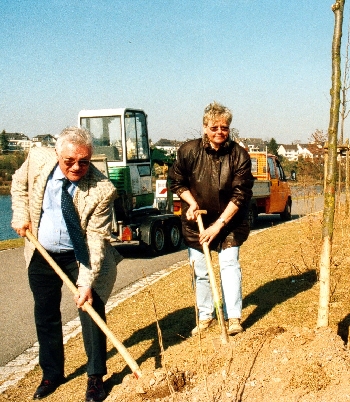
point(73, 225)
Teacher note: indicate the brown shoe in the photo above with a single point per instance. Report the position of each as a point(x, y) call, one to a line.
point(234, 326)
point(95, 391)
point(203, 325)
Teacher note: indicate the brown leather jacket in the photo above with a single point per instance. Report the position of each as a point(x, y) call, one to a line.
point(214, 178)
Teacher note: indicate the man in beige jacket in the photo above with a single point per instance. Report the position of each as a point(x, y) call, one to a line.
point(38, 204)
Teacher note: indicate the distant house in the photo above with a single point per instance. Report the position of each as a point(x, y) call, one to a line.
point(317, 150)
point(289, 152)
point(304, 151)
point(294, 151)
point(253, 144)
point(168, 146)
point(17, 142)
point(44, 140)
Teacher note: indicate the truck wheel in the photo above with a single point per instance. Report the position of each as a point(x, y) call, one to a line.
point(286, 215)
point(174, 236)
point(252, 216)
point(157, 238)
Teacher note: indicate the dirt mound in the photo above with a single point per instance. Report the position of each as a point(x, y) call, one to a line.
point(272, 364)
point(280, 357)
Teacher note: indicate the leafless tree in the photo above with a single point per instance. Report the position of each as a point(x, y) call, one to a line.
point(234, 133)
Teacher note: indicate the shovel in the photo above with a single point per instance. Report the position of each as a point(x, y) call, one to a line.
point(88, 308)
point(214, 288)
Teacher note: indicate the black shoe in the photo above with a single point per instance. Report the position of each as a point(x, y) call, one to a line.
point(95, 391)
point(47, 387)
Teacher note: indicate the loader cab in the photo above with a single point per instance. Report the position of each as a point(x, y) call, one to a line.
point(121, 135)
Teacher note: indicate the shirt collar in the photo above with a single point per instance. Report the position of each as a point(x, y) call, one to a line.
point(57, 173)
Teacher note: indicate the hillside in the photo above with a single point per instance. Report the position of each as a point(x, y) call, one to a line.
point(280, 356)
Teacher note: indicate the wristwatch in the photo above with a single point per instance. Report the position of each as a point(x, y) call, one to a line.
point(222, 221)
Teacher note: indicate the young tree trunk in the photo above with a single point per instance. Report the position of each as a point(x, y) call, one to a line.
point(339, 177)
point(329, 195)
point(325, 170)
point(347, 180)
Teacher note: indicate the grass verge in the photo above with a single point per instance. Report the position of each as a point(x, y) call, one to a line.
point(12, 243)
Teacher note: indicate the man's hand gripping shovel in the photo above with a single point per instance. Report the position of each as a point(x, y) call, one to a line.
point(214, 288)
point(88, 308)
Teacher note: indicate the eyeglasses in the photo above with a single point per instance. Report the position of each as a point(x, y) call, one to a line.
point(71, 162)
point(224, 129)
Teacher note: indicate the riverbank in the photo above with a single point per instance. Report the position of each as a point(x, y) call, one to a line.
point(5, 189)
point(12, 243)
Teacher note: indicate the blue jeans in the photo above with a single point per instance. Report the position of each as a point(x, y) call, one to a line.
point(231, 283)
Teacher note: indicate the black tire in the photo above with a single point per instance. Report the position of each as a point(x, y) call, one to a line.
point(174, 236)
point(286, 215)
point(158, 238)
point(252, 216)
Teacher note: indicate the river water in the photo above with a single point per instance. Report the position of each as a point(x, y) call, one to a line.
point(6, 232)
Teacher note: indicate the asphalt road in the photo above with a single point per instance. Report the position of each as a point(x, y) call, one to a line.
point(17, 331)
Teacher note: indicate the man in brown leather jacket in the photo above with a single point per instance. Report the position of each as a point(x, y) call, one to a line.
point(213, 173)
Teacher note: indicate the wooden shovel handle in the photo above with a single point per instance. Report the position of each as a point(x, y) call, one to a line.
point(89, 309)
point(212, 280)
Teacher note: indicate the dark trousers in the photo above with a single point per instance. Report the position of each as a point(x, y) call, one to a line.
point(46, 287)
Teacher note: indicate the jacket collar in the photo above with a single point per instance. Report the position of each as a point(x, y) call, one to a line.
point(224, 148)
point(82, 190)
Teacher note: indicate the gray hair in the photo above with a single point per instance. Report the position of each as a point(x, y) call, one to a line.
point(74, 135)
point(214, 111)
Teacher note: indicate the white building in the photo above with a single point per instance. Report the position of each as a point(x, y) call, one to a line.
point(18, 142)
point(252, 144)
point(44, 140)
point(170, 147)
point(294, 151)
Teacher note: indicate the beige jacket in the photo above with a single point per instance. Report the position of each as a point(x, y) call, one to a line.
point(93, 200)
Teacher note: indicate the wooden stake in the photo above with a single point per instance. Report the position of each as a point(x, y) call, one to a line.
point(214, 288)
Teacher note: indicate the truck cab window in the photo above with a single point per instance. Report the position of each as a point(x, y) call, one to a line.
point(254, 168)
point(272, 168)
point(280, 171)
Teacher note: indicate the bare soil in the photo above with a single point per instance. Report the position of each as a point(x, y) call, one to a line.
point(281, 356)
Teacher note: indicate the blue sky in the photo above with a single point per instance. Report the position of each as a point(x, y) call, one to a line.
point(268, 61)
